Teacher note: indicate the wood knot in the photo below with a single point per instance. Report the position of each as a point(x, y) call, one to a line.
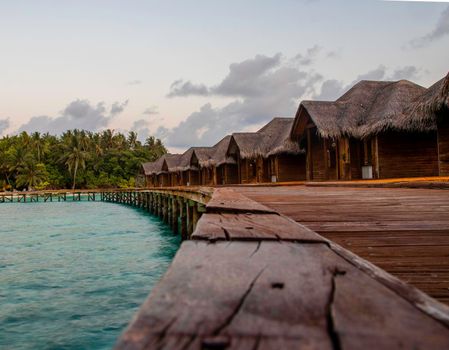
point(215, 343)
point(277, 285)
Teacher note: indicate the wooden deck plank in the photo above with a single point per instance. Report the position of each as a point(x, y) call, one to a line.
point(230, 200)
point(401, 230)
point(252, 227)
point(273, 295)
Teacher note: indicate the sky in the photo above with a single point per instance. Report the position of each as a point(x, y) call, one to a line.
point(190, 72)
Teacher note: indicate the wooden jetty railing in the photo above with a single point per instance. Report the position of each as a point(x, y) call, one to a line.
point(180, 208)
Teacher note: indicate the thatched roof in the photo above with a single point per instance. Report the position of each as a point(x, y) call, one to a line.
point(171, 162)
point(204, 155)
point(184, 161)
point(432, 103)
point(368, 108)
point(165, 163)
point(276, 137)
point(249, 144)
point(148, 168)
point(152, 168)
point(221, 152)
point(272, 139)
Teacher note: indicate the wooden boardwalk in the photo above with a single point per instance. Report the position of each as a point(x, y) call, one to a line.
point(250, 278)
point(403, 231)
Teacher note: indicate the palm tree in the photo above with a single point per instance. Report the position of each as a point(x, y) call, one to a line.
point(39, 145)
point(107, 138)
point(30, 173)
point(16, 157)
point(132, 139)
point(75, 154)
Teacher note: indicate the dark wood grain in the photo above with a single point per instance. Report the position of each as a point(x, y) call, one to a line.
point(275, 295)
point(230, 200)
point(252, 226)
point(404, 231)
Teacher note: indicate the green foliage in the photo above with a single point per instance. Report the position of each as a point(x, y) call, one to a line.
point(77, 158)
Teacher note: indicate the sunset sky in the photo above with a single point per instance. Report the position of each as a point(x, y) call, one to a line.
point(192, 71)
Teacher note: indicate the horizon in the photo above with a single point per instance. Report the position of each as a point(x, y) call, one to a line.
point(154, 69)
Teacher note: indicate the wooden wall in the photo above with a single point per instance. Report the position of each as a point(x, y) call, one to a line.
point(316, 168)
point(194, 177)
point(248, 171)
point(231, 174)
point(356, 158)
point(289, 167)
point(443, 147)
point(403, 154)
point(207, 178)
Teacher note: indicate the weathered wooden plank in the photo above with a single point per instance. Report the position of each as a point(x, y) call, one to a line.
point(275, 295)
point(399, 230)
point(252, 227)
point(229, 200)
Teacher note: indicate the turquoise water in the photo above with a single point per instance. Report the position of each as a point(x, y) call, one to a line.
point(72, 274)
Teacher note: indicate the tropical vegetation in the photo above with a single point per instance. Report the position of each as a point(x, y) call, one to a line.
point(76, 159)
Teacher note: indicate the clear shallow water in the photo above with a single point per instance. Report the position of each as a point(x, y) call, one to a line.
point(73, 274)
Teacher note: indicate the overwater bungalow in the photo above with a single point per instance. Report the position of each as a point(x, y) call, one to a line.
point(148, 172)
point(224, 166)
point(154, 173)
point(366, 134)
point(432, 108)
point(188, 169)
point(159, 174)
point(286, 160)
point(171, 169)
point(202, 158)
point(268, 155)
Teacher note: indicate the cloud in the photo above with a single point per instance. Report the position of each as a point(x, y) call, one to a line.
point(134, 82)
point(309, 57)
point(181, 88)
point(151, 110)
point(4, 124)
point(79, 114)
point(141, 127)
point(244, 79)
point(263, 87)
point(118, 108)
point(249, 78)
point(441, 29)
point(332, 89)
point(407, 72)
point(374, 74)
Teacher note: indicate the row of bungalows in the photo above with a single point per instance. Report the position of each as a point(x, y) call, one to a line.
point(268, 155)
point(378, 129)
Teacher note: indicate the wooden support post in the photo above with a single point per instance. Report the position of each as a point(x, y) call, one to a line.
point(165, 209)
point(195, 216)
point(175, 215)
point(189, 218)
point(184, 218)
point(152, 203)
point(159, 205)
